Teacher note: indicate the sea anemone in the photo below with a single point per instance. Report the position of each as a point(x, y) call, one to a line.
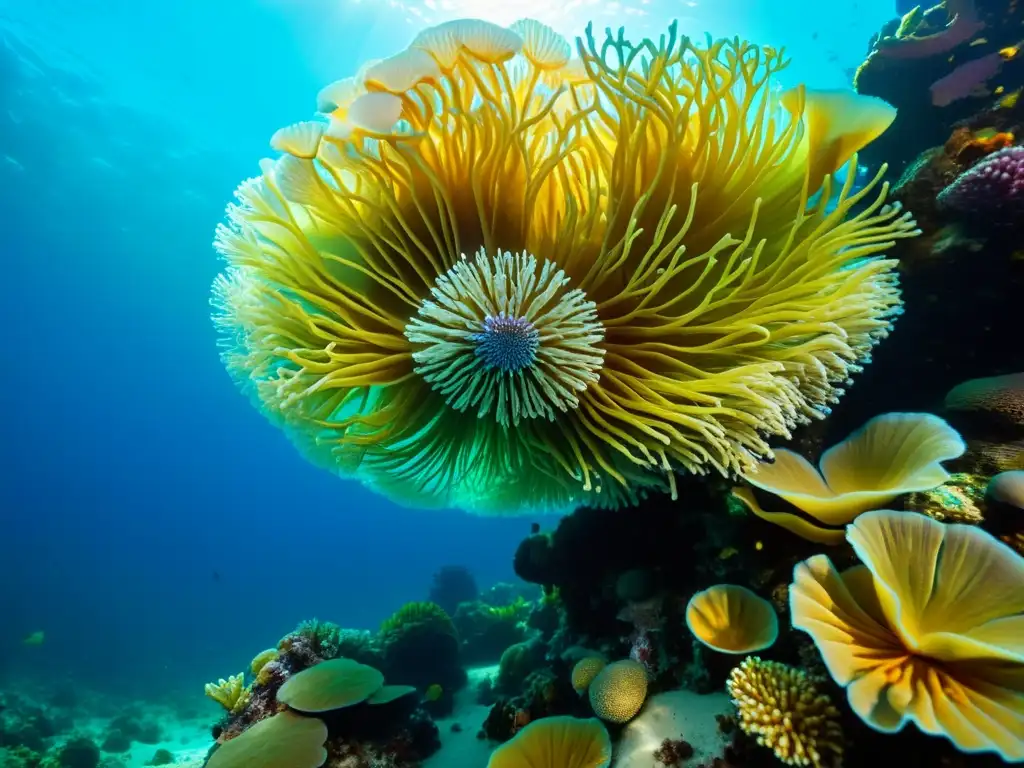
point(732, 619)
point(929, 629)
point(505, 279)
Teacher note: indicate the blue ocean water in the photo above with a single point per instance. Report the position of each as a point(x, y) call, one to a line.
point(154, 526)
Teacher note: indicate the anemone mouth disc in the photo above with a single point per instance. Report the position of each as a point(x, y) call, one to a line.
point(506, 336)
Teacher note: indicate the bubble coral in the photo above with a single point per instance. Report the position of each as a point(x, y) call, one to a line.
point(330, 685)
point(891, 455)
point(556, 742)
point(618, 691)
point(585, 671)
point(993, 188)
point(503, 279)
point(929, 629)
point(783, 708)
point(285, 740)
point(732, 619)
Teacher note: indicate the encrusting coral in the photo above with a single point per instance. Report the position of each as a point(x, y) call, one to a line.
point(556, 742)
point(607, 262)
point(232, 694)
point(929, 629)
point(732, 619)
point(891, 455)
point(783, 708)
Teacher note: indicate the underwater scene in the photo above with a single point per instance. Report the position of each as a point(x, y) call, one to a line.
point(512, 384)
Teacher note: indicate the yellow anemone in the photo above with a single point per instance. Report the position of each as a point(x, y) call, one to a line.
point(503, 279)
point(732, 619)
point(556, 742)
point(891, 455)
point(929, 629)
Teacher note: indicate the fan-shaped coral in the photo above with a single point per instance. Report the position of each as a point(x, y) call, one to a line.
point(618, 691)
point(930, 629)
point(330, 685)
point(732, 619)
point(285, 740)
point(503, 279)
point(556, 742)
point(893, 454)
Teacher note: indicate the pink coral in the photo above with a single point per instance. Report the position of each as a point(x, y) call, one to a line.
point(993, 186)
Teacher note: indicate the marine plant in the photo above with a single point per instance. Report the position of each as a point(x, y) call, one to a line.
point(556, 742)
point(501, 277)
point(732, 619)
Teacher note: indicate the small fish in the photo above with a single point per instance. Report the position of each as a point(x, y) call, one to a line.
point(1009, 101)
point(728, 552)
point(433, 692)
point(36, 638)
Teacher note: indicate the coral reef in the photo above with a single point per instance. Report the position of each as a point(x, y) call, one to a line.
point(453, 585)
point(940, 66)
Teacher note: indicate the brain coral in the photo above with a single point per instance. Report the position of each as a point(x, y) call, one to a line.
point(618, 691)
point(499, 277)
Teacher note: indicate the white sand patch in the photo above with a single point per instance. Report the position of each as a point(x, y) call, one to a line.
point(673, 715)
point(463, 749)
point(187, 740)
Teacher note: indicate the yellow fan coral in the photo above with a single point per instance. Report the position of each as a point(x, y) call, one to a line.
point(618, 691)
point(930, 629)
point(285, 740)
point(732, 619)
point(502, 279)
point(893, 454)
point(784, 709)
point(556, 742)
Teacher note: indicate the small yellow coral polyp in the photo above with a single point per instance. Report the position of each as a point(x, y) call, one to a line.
point(782, 707)
point(232, 694)
point(732, 619)
point(929, 629)
point(556, 742)
point(891, 455)
point(501, 278)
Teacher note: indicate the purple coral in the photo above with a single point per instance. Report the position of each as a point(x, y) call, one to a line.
point(993, 186)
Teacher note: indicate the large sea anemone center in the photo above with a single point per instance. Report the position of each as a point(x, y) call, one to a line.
point(506, 335)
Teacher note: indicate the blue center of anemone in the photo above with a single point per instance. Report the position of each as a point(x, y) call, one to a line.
point(507, 343)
